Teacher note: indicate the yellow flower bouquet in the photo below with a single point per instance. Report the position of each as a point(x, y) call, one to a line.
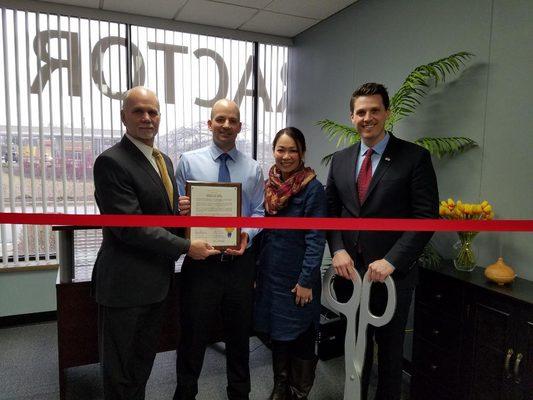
point(465, 260)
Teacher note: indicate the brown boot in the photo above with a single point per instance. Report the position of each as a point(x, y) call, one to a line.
point(280, 365)
point(301, 377)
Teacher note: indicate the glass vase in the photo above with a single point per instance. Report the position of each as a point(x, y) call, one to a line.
point(465, 257)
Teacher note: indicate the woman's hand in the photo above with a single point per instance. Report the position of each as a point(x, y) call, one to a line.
point(303, 295)
point(240, 251)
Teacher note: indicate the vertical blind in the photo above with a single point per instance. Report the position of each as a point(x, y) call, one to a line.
point(63, 79)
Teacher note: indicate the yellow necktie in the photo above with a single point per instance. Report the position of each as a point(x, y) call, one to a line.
point(162, 166)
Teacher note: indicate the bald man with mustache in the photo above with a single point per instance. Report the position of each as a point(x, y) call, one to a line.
point(134, 267)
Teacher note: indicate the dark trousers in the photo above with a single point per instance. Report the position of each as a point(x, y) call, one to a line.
point(210, 289)
point(128, 339)
point(389, 338)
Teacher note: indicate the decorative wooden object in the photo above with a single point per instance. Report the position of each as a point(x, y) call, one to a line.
point(500, 272)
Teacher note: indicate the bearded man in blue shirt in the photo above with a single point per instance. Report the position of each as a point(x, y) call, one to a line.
point(222, 283)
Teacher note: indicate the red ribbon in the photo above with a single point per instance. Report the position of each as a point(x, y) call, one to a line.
point(343, 224)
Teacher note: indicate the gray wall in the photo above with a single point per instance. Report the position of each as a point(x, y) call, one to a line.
point(383, 40)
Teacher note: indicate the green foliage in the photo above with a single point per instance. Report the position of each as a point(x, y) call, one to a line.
point(418, 82)
point(404, 102)
point(345, 135)
point(430, 258)
point(449, 146)
point(326, 159)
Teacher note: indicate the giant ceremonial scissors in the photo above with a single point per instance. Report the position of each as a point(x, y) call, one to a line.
point(354, 348)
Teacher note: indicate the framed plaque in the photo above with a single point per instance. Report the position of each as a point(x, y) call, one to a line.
point(215, 199)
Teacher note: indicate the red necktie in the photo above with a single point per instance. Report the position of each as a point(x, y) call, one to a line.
point(365, 176)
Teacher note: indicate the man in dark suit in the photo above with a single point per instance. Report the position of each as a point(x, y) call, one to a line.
point(380, 177)
point(135, 266)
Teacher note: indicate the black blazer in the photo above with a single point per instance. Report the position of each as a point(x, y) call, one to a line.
point(134, 266)
point(403, 186)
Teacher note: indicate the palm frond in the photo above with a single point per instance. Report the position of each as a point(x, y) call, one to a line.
point(404, 103)
point(345, 135)
point(417, 83)
point(326, 160)
point(449, 146)
point(430, 258)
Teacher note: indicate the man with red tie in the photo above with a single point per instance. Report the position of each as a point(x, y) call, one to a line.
point(382, 176)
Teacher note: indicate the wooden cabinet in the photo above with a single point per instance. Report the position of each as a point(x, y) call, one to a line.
point(492, 347)
point(523, 366)
point(438, 339)
point(473, 339)
point(502, 345)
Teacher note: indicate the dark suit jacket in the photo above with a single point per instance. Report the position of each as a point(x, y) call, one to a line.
point(403, 186)
point(134, 266)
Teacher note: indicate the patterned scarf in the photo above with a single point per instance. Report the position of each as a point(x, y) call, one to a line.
point(278, 192)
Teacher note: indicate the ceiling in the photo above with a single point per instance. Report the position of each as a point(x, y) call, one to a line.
point(285, 18)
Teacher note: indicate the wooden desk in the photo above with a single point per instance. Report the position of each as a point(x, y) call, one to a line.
point(77, 334)
point(77, 313)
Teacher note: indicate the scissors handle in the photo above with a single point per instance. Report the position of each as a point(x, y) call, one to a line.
point(351, 306)
point(365, 303)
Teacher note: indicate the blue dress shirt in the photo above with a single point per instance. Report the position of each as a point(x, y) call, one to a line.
point(203, 165)
point(376, 157)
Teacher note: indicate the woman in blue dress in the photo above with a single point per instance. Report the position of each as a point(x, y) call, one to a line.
point(288, 285)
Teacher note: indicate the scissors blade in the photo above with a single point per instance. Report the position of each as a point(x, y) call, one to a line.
point(366, 317)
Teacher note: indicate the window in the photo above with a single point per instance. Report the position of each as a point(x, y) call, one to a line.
point(272, 97)
point(61, 82)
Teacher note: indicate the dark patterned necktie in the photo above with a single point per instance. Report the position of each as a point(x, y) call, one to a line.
point(365, 176)
point(223, 171)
